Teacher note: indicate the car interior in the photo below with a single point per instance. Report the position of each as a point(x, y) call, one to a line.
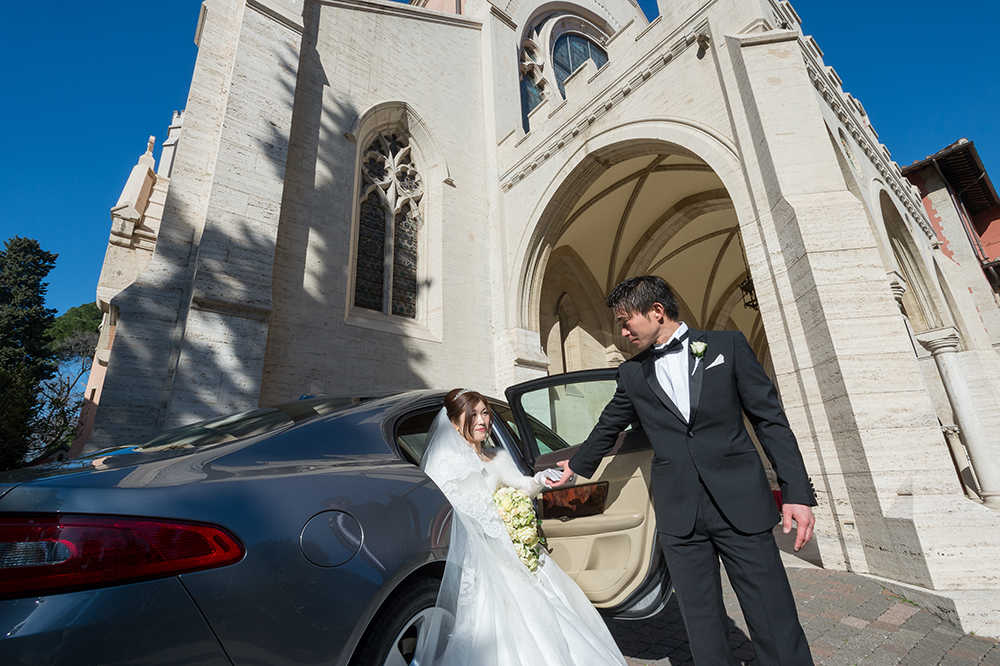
point(601, 531)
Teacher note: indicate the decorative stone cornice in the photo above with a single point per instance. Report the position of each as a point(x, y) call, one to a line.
point(769, 37)
point(603, 102)
point(849, 111)
point(503, 16)
point(405, 11)
point(940, 340)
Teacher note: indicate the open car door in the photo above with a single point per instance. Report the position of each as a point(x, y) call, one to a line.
point(602, 530)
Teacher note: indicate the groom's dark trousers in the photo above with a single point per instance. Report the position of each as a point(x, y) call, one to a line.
point(710, 494)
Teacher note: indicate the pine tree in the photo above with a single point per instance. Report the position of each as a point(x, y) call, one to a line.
point(26, 357)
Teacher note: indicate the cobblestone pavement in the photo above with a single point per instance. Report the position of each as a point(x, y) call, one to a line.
point(848, 619)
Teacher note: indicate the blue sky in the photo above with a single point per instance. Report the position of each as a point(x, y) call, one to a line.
point(87, 83)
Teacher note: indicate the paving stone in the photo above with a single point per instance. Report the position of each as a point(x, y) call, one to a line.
point(907, 638)
point(898, 613)
point(992, 658)
point(872, 608)
point(835, 608)
point(883, 657)
point(922, 621)
point(855, 622)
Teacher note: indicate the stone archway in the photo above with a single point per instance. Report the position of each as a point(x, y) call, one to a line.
point(629, 208)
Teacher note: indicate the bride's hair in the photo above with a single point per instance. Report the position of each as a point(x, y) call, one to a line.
point(458, 402)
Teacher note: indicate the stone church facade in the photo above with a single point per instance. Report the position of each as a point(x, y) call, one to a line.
point(363, 197)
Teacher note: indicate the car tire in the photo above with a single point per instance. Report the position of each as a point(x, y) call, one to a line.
point(386, 632)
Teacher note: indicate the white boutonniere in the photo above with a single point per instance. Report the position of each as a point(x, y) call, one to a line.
point(698, 348)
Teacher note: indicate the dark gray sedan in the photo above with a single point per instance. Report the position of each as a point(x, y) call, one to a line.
point(300, 534)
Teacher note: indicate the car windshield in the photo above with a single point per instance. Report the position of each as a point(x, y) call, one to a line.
point(236, 426)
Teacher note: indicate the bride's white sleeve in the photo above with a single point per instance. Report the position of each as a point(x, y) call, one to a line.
point(509, 475)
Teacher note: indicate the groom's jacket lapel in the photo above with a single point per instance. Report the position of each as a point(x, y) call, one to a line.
point(649, 372)
point(698, 374)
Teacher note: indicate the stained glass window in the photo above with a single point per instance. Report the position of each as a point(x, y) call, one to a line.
point(404, 265)
point(531, 96)
point(387, 253)
point(571, 51)
point(370, 273)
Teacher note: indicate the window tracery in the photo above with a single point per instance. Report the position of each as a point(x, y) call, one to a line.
point(389, 223)
point(552, 50)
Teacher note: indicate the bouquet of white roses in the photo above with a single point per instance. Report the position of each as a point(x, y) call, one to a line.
point(522, 525)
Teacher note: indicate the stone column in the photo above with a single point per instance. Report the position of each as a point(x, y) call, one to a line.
point(942, 343)
point(960, 456)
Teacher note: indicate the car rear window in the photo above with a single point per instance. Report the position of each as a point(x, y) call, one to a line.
point(411, 434)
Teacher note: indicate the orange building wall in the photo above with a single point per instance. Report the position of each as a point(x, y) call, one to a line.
point(987, 225)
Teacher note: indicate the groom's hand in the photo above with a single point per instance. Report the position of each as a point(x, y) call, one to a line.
point(567, 474)
point(804, 519)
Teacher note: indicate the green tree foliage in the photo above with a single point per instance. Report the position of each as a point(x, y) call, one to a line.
point(26, 356)
point(83, 320)
point(73, 338)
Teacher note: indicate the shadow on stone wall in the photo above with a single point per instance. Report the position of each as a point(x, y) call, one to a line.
point(168, 366)
point(891, 545)
point(307, 339)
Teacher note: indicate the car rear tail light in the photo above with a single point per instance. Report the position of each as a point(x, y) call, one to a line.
point(48, 553)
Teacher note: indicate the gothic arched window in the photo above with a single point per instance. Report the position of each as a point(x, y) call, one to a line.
point(571, 51)
point(389, 221)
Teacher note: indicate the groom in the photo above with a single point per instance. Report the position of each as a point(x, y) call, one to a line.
point(689, 390)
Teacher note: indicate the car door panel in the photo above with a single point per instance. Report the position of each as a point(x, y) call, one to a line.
point(608, 554)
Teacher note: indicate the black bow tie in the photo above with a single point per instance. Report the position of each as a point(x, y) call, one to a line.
point(672, 347)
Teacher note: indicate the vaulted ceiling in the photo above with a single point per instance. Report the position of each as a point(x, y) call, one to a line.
point(667, 214)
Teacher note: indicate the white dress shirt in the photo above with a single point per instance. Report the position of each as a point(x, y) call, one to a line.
point(672, 373)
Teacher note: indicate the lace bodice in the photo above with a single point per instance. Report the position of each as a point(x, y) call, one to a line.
point(469, 483)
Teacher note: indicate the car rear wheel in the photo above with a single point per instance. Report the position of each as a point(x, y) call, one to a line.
point(392, 637)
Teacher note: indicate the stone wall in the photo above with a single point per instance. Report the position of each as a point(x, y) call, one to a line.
point(358, 59)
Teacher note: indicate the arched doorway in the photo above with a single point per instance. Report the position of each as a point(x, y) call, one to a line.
point(639, 207)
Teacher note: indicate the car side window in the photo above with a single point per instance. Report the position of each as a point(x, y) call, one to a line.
point(546, 441)
point(411, 434)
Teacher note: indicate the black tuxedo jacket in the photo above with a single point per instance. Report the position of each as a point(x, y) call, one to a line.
point(714, 445)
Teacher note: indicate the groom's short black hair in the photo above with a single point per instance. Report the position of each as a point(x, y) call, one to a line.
point(637, 294)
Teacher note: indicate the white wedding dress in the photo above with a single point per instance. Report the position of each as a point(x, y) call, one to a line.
point(492, 610)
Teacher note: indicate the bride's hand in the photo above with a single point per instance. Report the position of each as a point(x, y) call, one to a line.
point(548, 476)
point(567, 474)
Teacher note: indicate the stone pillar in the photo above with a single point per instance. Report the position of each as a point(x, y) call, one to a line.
point(221, 357)
point(889, 500)
point(943, 343)
point(193, 327)
point(170, 145)
point(843, 358)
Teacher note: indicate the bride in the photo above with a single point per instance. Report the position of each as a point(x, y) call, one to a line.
point(492, 610)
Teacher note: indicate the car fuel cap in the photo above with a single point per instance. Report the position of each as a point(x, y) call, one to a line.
point(331, 538)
